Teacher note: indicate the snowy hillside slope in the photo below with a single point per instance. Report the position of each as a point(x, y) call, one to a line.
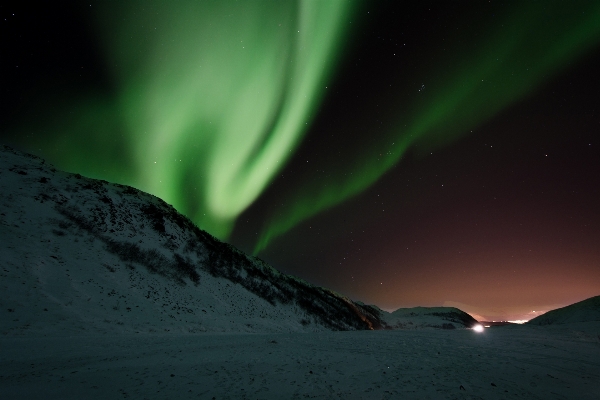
point(428, 317)
point(85, 256)
point(584, 311)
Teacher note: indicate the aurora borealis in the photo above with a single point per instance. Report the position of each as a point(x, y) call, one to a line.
point(413, 154)
point(520, 52)
point(209, 95)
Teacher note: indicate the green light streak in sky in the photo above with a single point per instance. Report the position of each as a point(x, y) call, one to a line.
point(519, 52)
point(210, 99)
point(221, 95)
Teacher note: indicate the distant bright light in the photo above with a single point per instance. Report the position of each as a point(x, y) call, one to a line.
point(478, 328)
point(519, 321)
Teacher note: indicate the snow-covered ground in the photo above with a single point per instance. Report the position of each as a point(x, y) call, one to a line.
point(108, 292)
point(513, 362)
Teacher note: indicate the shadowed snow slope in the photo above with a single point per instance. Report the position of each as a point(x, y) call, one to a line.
point(584, 311)
point(84, 255)
point(428, 317)
point(102, 285)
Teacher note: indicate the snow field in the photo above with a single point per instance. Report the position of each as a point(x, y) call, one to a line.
point(501, 363)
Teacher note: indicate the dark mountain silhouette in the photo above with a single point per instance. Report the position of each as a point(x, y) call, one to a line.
point(584, 311)
point(85, 255)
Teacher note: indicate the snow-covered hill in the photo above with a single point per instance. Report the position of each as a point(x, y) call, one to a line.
point(427, 317)
point(584, 311)
point(86, 265)
point(84, 255)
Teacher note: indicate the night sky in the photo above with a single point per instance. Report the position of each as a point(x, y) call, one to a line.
point(401, 153)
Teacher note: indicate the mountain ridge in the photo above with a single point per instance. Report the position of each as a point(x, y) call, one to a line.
point(88, 255)
point(587, 310)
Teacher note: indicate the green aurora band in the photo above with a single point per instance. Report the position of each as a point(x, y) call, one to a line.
point(210, 99)
point(521, 50)
point(227, 88)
